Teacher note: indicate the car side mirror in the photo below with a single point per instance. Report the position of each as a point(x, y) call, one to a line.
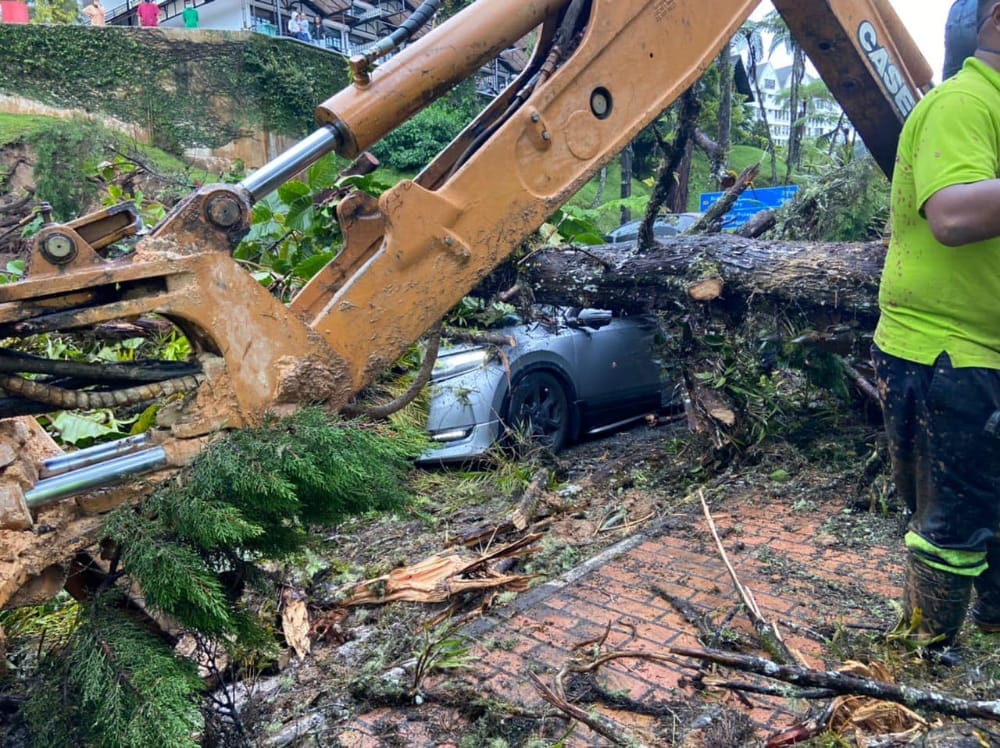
point(593, 318)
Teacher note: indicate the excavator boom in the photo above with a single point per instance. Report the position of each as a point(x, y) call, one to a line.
point(601, 72)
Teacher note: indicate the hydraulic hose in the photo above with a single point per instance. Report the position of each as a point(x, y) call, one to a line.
point(12, 362)
point(408, 28)
point(67, 399)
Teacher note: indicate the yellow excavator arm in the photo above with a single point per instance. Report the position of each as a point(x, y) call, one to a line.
point(602, 70)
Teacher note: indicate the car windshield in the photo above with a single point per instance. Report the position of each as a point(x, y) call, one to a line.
point(669, 224)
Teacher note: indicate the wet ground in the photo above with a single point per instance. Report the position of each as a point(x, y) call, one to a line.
point(628, 568)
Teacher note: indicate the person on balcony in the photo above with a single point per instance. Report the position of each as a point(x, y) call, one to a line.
point(298, 27)
point(190, 15)
point(149, 14)
point(94, 13)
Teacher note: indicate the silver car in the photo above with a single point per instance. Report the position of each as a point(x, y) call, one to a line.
point(668, 224)
point(577, 372)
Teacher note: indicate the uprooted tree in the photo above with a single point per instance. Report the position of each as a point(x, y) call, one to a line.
point(739, 308)
point(830, 283)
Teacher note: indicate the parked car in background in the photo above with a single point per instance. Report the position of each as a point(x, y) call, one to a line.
point(571, 372)
point(668, 224)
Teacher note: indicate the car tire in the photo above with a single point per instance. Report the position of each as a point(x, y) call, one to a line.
point(538, 410)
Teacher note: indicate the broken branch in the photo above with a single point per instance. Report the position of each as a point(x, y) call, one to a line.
point(597, 724)
point(769, 635)
point(843, 683)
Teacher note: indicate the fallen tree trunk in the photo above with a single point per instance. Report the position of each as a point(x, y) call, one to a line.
point(826, 282)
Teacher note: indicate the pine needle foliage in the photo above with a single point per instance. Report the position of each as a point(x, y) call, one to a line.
point(114, 685)
point(847, 204)
point(192, 546)
point(252, 495)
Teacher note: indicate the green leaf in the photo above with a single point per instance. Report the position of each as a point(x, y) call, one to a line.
point(370, 183)
point(292, 191)
point(77, 427)
point(312, 265)
point(588, 237)
point(323, 174)
point(145, 421)
point(262, 212)
point(300, 215)
point(16, 267)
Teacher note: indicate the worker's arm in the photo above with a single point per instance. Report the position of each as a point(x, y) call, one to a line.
point(955, 162)
point(965, 213)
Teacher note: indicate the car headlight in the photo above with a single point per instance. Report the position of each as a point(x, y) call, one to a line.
point(459, 363)
point(451, 435)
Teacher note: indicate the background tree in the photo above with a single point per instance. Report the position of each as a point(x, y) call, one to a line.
point(781, 37)
point(750, 38)
point(672, 176)
point(54, 11)
point(626, 188)
point(713, 130)
point(720, 158)
point(416, 142)
point(822, 108)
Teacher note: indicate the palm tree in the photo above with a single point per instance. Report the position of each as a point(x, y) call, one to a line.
point(720, 156)
point(821, 108)
point(774, 25)
point(750, 39)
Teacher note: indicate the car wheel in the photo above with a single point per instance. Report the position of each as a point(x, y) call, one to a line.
point(539, 410)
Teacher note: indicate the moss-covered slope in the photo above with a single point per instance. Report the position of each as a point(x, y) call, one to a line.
point(203, 88)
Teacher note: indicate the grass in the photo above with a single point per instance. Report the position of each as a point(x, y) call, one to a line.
point(741, 156)
point(28, 127)
point(15, 127)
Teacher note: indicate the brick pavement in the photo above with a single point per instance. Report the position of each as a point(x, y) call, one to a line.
point(797, 572)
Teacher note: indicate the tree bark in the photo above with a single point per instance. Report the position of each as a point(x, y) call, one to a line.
point(626, 182)
point(602, 182)
point(797, 113)
point(671, 170)
point(830, 283)
point(758, 224)
point(720, 156)
point(679, 199)
point(712, 220)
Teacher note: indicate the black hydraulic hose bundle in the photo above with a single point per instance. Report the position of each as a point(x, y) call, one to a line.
point(408, 28)
point(67, 383)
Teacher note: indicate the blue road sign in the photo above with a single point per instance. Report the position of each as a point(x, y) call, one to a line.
point(750, 202)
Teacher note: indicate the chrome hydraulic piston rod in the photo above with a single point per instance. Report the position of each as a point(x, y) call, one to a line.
point(52, 489)
point(300, 156)
point(92, 455)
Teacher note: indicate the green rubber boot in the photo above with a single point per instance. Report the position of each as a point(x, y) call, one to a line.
point(942, 600)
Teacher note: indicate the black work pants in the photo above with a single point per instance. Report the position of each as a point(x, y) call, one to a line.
point(946, 464)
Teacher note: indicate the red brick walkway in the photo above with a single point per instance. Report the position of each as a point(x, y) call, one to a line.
point(798, 572)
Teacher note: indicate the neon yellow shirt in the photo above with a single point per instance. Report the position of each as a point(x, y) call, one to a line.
point(935, 298)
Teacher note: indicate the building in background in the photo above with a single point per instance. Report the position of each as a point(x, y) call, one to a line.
point(823, 115)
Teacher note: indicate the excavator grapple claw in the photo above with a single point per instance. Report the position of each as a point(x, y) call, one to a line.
point(408, 256)
point(14, 512)
point(23, 446)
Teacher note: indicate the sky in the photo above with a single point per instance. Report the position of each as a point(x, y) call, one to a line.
point(925, 22)
point(924, 19)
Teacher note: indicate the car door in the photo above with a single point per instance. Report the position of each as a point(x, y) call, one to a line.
point(617, 372)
